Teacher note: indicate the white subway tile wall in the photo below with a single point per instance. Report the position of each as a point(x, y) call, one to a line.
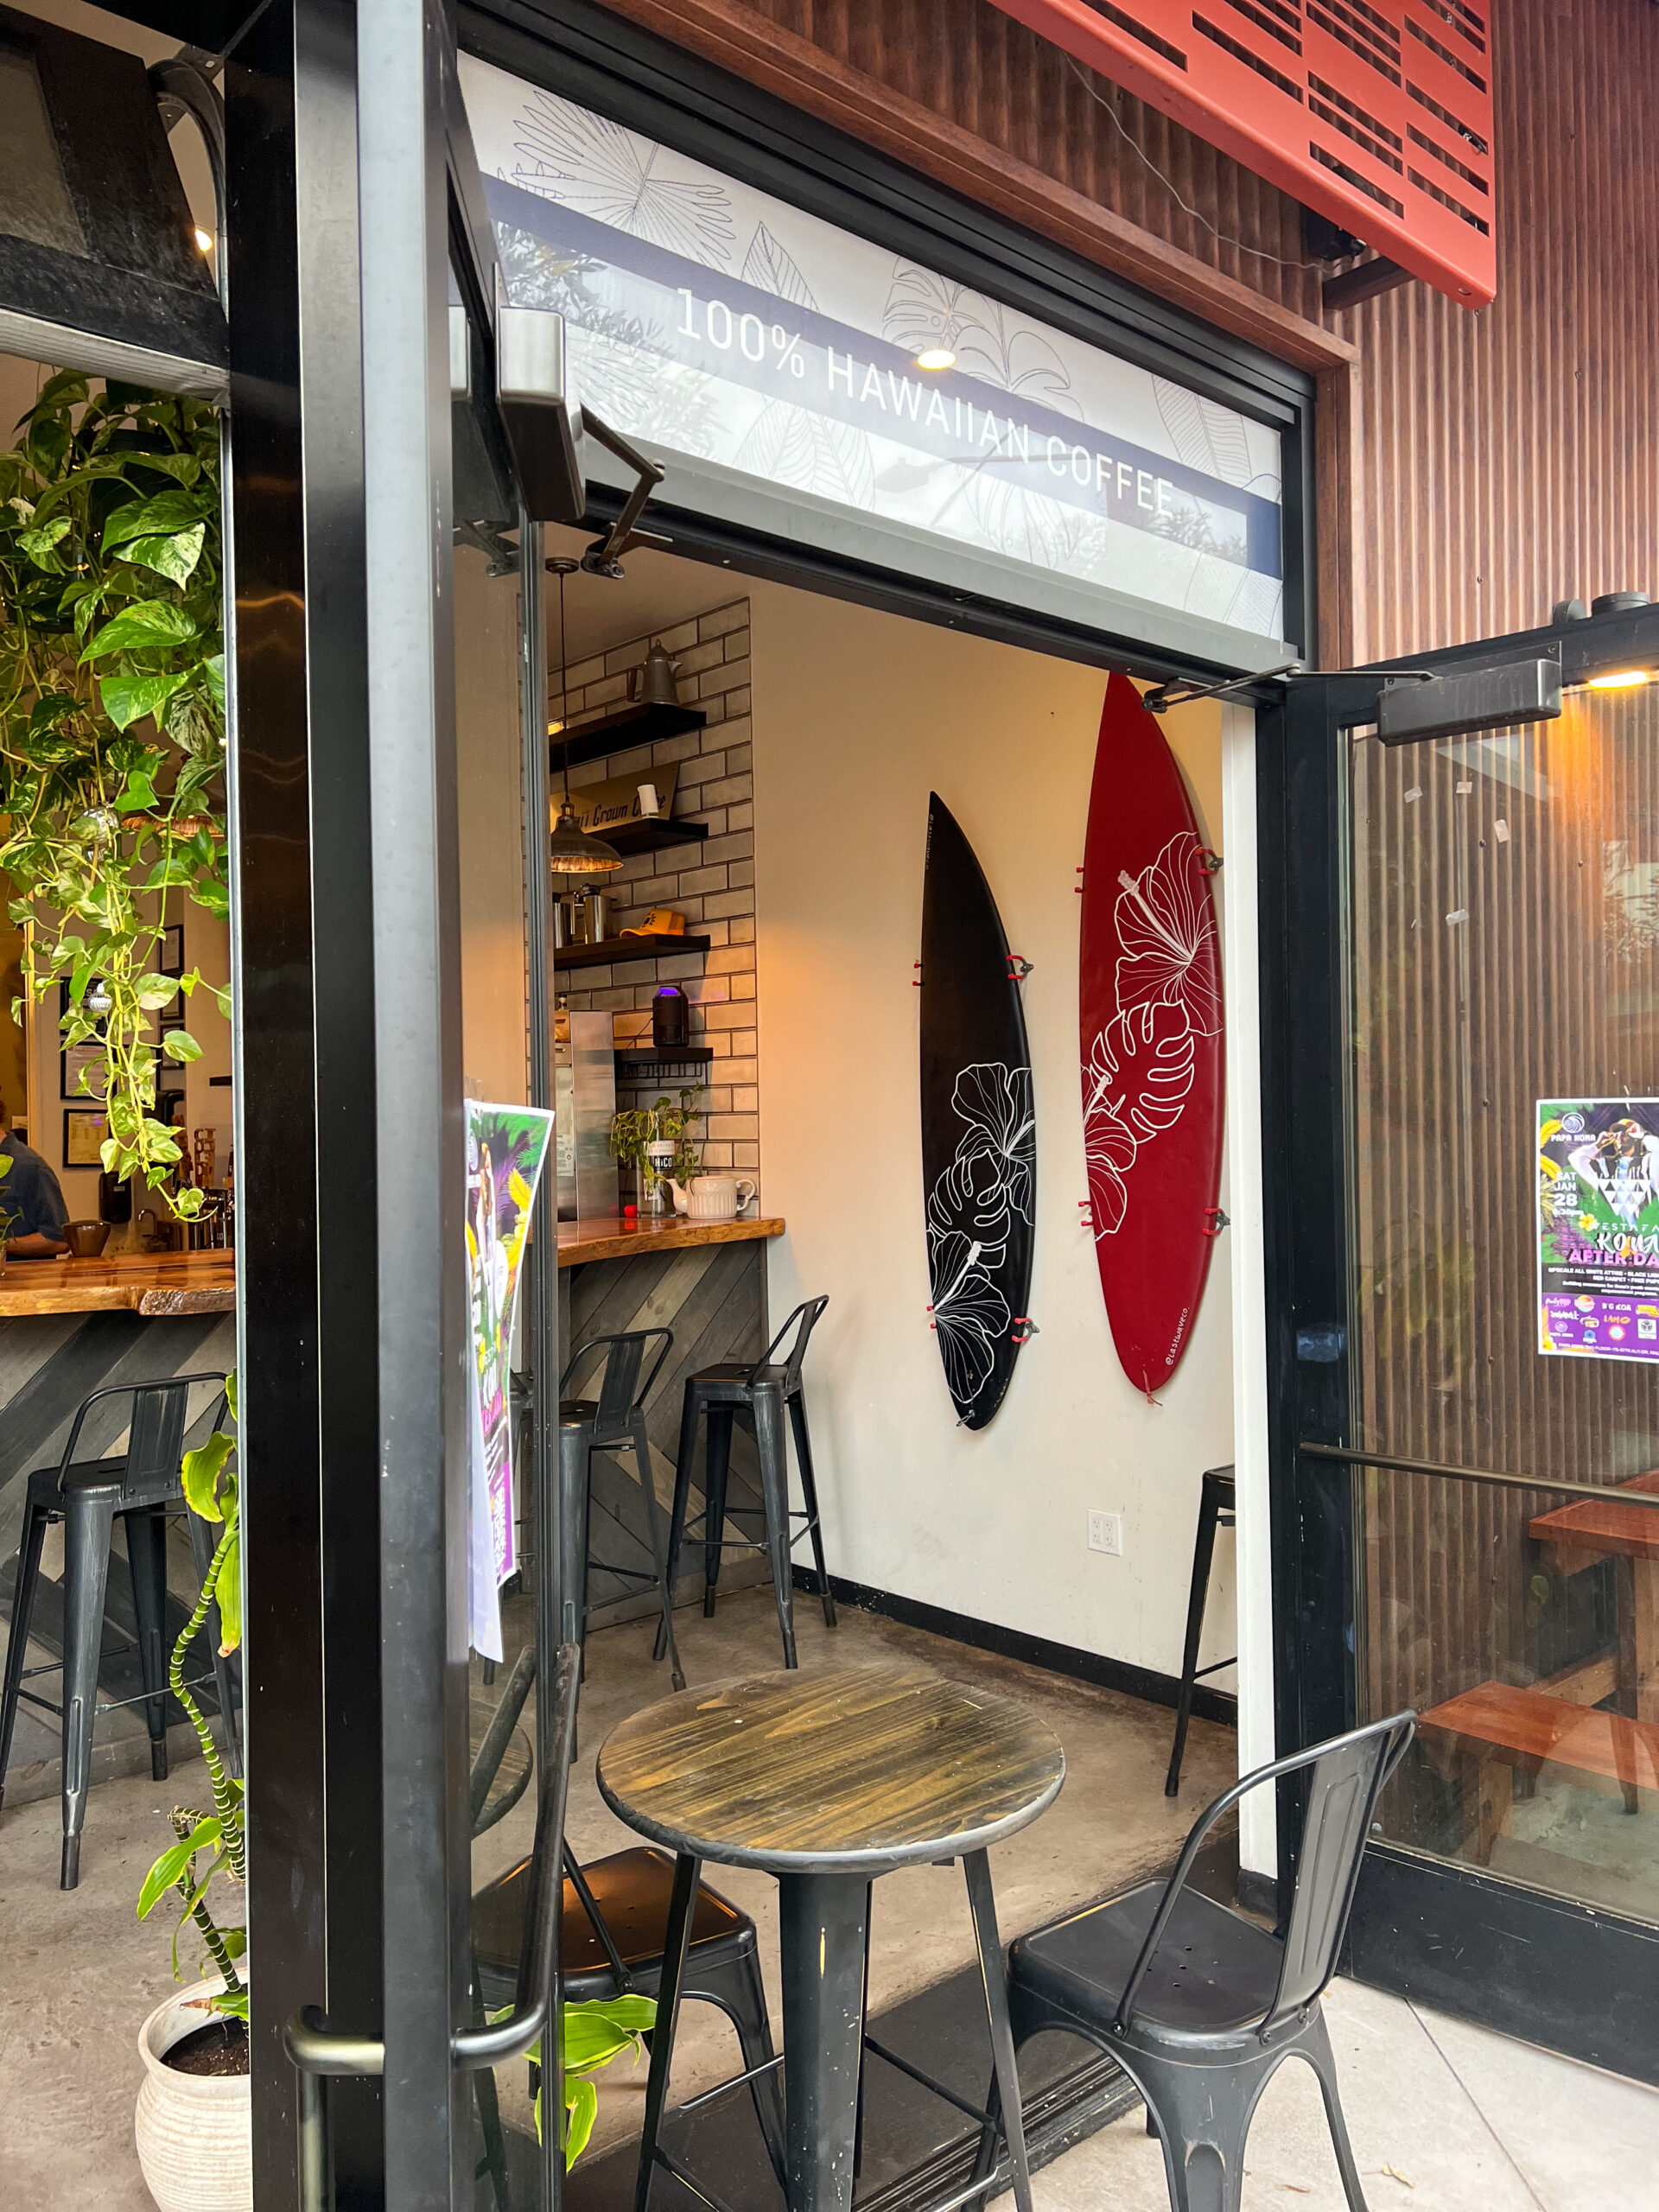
point(712, 884)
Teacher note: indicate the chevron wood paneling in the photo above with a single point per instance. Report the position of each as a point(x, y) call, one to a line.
point(714, 1298)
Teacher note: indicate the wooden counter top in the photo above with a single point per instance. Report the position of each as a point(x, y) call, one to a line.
point(204, 1282)
point(122, 1283)
point(611, 1237)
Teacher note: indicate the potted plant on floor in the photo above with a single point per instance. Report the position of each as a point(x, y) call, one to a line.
point(193, 2123)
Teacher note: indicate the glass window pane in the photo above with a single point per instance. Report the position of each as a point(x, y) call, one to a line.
point(34, 201)
point(1505, 1013)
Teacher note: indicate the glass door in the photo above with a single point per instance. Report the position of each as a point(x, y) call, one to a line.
point(1505, 1261)
point(1465, 1061)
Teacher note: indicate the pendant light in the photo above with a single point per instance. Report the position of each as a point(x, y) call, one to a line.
point(570, 849)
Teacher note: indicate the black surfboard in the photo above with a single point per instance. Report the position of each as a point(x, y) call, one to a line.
point(979, 1143)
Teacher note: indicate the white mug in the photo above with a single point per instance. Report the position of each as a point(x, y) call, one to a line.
point(717, 1198)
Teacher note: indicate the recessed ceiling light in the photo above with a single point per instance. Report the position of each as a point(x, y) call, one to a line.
point(936, 357)
point(204, 242)
point(1622, 679)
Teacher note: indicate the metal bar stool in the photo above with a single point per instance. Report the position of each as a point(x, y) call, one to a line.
point(761, 1393)
point(141, 1485)
point(1215, 1511)
point(616, 1417)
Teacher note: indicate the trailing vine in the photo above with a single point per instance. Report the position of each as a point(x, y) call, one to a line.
point(212, 1489)
point(112, 728)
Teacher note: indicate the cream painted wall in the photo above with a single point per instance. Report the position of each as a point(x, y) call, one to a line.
point(489, 760)
point(857, 716)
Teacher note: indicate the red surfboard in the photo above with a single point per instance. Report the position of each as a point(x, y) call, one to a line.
point(1150, 1023)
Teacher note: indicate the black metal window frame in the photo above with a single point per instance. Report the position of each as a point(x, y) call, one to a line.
point(596, 59)
point(1541, 1967)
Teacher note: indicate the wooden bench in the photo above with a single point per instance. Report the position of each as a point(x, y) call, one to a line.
point(1487, 1732)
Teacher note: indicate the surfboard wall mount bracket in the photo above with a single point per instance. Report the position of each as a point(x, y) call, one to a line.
point(1215, 1221)
point(1019, 967)
point(1024, 1330)
point(1209, 861)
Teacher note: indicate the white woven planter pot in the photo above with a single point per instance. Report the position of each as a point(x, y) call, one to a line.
point(195, 2133)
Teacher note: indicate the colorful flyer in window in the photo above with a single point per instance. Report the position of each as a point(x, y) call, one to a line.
point(506, 1148)
point(1598, 1228)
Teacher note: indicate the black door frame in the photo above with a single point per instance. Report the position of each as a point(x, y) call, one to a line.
point(1542, 1969)
point(348, 1135)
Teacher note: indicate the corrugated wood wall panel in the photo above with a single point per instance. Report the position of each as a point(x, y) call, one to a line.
point(989, 74)
point(1548, 988)
point(1509, 456)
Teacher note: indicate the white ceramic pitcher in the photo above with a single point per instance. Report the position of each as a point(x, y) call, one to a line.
point(713, 1198)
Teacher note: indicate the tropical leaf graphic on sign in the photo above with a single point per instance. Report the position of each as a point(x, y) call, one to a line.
point(1205, 435)
point(788, 444)
point(925, 309)
point(771, 268)
point(589, 163)
point(623, 363)
point(1024, 527)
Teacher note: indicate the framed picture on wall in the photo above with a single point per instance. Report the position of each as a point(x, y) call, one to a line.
point(84, 1132)
point(170, 961)
point(75, 1058)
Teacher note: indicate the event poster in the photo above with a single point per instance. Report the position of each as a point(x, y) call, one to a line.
point(1599, 1227)
point(506, 1148)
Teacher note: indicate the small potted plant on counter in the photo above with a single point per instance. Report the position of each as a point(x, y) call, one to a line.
point(655, 1142)
point(193, 2123)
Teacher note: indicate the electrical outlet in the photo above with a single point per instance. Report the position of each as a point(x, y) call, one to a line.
point(1106, 1534)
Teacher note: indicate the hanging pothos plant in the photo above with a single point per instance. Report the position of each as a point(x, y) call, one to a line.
point(112, 728)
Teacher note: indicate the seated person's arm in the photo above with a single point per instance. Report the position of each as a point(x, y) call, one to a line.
point(34, 1247)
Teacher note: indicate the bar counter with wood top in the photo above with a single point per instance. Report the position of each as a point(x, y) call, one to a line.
point(625, 1236)
point(705, 1280)
point(150, 1283)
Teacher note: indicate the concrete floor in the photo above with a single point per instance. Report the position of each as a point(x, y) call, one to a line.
point(1472, 2122)
point(1468, 2121)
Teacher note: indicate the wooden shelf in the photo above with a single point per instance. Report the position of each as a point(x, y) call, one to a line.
point(654, 1066)
point(649, 836)
point(618, 951)
point(638, 722)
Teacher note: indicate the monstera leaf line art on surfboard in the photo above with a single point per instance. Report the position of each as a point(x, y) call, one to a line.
point(979, 1128)
point(1151, 1037)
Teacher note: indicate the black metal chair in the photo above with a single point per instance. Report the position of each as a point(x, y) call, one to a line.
point(140, 1486)
point(616, 1417)
point(1199, 2006)
point(613, 1934)
point(760, 1393)
point(1217, 1502)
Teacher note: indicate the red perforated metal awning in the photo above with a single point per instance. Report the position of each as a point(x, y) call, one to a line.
point(1377, 113)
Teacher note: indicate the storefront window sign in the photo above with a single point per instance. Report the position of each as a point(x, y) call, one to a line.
point(713, 321)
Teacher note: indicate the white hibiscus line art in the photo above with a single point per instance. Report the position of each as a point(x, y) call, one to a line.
point(971, 1315)
point(1143, 1061)
point(989, 1183)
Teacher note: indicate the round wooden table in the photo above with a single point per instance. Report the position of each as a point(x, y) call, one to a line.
point(827, 1780)
point(512, 1777)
